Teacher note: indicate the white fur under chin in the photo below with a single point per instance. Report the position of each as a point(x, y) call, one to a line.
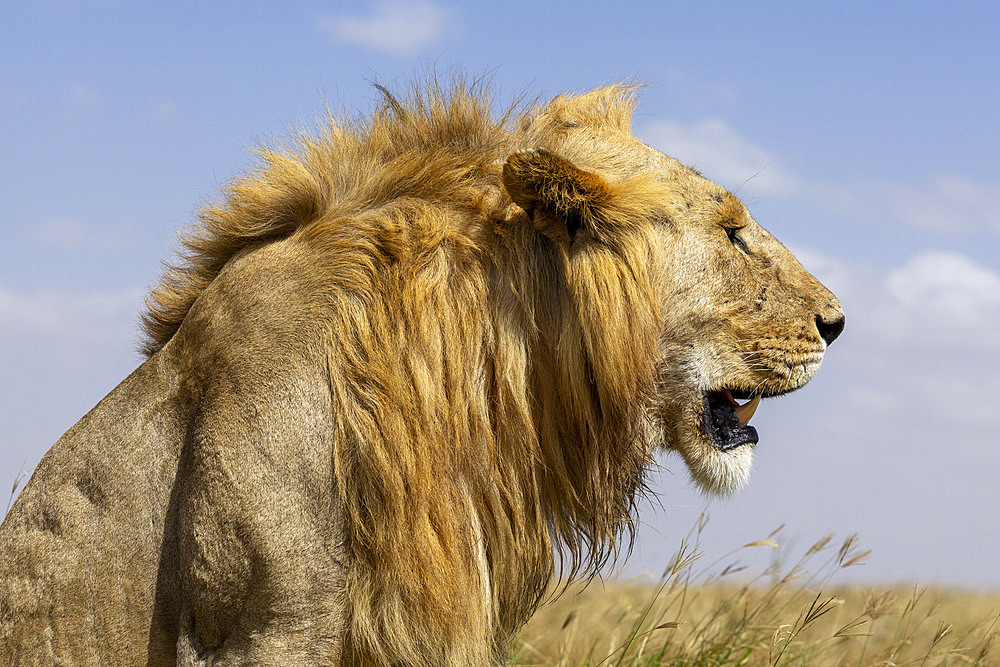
point(721, 473)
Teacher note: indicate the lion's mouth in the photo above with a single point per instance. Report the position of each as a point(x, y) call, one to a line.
point(727, 423)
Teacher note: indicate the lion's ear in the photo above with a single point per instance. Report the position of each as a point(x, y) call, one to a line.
point(560, 197)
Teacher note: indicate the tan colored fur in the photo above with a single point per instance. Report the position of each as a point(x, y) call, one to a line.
point(402, 365)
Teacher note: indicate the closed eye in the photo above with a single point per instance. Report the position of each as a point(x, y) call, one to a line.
point(731, 232)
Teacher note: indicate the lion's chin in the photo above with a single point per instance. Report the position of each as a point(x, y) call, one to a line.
point(716, 471)
point(716, 441)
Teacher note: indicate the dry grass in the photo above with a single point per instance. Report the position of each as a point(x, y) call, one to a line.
point(784, 615)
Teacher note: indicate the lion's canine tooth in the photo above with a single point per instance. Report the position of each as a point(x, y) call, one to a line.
point(745, 411)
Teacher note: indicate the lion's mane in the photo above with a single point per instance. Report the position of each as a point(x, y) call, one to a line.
point(488, 385)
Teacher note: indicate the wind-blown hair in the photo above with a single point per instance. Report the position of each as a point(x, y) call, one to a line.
point(489, 382)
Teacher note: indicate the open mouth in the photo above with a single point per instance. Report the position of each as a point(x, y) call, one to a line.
point(727, 422)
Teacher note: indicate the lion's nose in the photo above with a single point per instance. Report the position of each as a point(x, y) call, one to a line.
point(830, 329)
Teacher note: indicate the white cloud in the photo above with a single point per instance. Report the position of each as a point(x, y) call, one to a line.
point(81, 102)
point(697, 87)
point(947, 285)
point(164, 110)
point(399, 27)
point(944, 204)
point(82, 96)
point(939, 302)
point(71, 233)
point(947, 204)
point(721, 154)
point(20, 314)
point(105, 316)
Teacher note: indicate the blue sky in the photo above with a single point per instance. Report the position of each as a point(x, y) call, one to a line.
point(864, 135)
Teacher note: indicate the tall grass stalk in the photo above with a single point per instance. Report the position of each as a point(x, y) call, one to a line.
point(726, 614)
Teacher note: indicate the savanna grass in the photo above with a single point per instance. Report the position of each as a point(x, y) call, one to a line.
point(782, 615)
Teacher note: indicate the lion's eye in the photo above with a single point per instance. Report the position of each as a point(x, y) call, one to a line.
point(736, 240)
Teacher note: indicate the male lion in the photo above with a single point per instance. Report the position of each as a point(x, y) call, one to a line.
point(402, 365)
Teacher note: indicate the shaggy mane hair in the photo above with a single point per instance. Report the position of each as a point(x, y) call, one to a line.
point(489, 383)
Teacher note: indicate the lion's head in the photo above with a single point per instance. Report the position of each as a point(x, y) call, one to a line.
point(739, 318)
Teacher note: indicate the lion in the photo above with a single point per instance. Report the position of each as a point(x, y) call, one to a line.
point(406, 371)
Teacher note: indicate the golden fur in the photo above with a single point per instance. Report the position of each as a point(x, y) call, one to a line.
point(421, 306)
point(478, 328)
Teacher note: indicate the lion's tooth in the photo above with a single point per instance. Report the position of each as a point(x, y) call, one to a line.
point(745, 411)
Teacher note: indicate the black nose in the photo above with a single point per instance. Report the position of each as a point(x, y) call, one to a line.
point(829, 331)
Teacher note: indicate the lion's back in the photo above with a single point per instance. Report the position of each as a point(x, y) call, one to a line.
point(80, 550)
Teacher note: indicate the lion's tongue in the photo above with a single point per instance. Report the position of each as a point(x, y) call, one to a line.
point(745, 412)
